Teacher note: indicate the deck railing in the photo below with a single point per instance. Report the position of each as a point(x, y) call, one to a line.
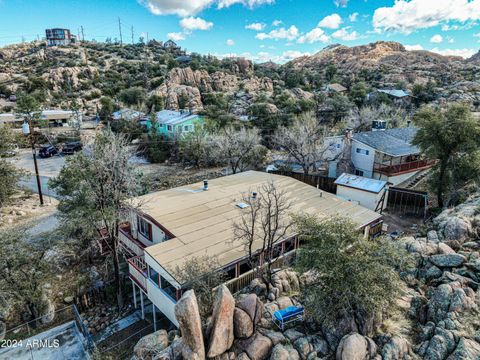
point(138, 271)
point(391, 170)
point(237, 284)
point(128, 242)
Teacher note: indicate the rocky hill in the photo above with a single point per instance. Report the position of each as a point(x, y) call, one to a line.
point(86, 72)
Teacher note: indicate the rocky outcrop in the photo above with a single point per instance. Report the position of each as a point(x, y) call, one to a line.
point(188, 317)
point(356, 347)
point(150, 345)
point(222, 335)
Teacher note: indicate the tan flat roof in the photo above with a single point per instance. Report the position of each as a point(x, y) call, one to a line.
point(202, 221)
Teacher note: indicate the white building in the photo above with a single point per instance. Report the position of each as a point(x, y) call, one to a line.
point(167, 228)
point(387, 155)
point(369, 193)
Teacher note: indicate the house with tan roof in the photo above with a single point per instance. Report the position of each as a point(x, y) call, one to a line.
point(168, 228)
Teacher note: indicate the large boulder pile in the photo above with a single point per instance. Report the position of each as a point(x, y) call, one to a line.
point(442, 309)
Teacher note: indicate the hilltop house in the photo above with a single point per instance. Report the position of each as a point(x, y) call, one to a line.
point(57, 37)
point(175, 123)
point(387, 155)
point(166, 229)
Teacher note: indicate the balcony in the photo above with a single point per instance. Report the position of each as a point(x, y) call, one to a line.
point(128, 242)
point(138, 271)
point(403, 168)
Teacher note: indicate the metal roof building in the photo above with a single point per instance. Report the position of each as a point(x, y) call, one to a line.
point(202, 221)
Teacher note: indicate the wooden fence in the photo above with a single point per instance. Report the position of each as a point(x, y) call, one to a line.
point(322, 182)
point(407, 202)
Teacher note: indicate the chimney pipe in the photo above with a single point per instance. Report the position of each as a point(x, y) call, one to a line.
point(254, 195)
point(205, 185)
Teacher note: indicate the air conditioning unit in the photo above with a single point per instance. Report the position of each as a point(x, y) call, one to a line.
point(379, 125)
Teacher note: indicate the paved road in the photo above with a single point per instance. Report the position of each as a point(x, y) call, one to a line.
point(48, 168)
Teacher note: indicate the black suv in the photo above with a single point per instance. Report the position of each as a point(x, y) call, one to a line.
point(71, 148)
point(47, 151)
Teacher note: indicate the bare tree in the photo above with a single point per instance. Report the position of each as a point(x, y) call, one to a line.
point(264, 223)
point(304, 141)
point(361, 120)
point(201, 274)
point(239, 149)
point(94, 187)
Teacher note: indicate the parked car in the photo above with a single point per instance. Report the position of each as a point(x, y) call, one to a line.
point(10, 151)
point(72, 148)
point(47, 151)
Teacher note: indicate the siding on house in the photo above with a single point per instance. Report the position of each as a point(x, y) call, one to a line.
point(361, 160)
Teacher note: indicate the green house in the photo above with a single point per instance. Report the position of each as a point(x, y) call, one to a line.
point(174, 123)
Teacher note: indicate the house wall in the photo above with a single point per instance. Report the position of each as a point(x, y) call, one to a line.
point(364, 198)
point(163, 302)
point(361, 161)
point(158, 235)
point(178, 128)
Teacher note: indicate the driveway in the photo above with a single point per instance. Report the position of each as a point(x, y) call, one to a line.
point(48, 168)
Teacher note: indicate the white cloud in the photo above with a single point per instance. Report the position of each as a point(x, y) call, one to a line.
point(277, 22)
point(436, 39)
point(315, 35)
point(330, 22)
point(341, 3)
point(195, 23)
point(293, 54)
point(476, 35)
point(248, 3)
point(290, 34)
point(464, 53)
point(230, 42)
point(186, 8)
point(450, 40)
point(255, 26)
point(408, 16)
point(413, 47)
point(353, 17)
point(345, 35)
point(176, 36)
point(264, 56)
point(176, 7)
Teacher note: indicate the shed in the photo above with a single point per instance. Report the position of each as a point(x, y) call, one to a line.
point(369, 193)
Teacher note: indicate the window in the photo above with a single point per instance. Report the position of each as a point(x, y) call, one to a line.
point(187, 128)
point(363, 151)
point(359, 172)
point(169, 127)
point(144, 228)
point(168, 288)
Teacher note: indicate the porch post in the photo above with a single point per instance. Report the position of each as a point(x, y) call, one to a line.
point(141, 304)
point(154, 318)
point(134, 295)
point(237, 270)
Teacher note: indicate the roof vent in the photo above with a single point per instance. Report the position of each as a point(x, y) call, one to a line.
point(254, 196)
point(205, 185)
point(242, 205)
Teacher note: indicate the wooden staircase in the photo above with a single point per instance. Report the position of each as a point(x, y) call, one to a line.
point(415, 180)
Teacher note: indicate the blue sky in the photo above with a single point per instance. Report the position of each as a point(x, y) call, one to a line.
point(258, 29)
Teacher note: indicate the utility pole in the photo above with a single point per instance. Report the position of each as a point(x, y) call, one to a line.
point(120, 30)
point(83, 35)
point(34, 153)
point(133, 42)
point(147, 37)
